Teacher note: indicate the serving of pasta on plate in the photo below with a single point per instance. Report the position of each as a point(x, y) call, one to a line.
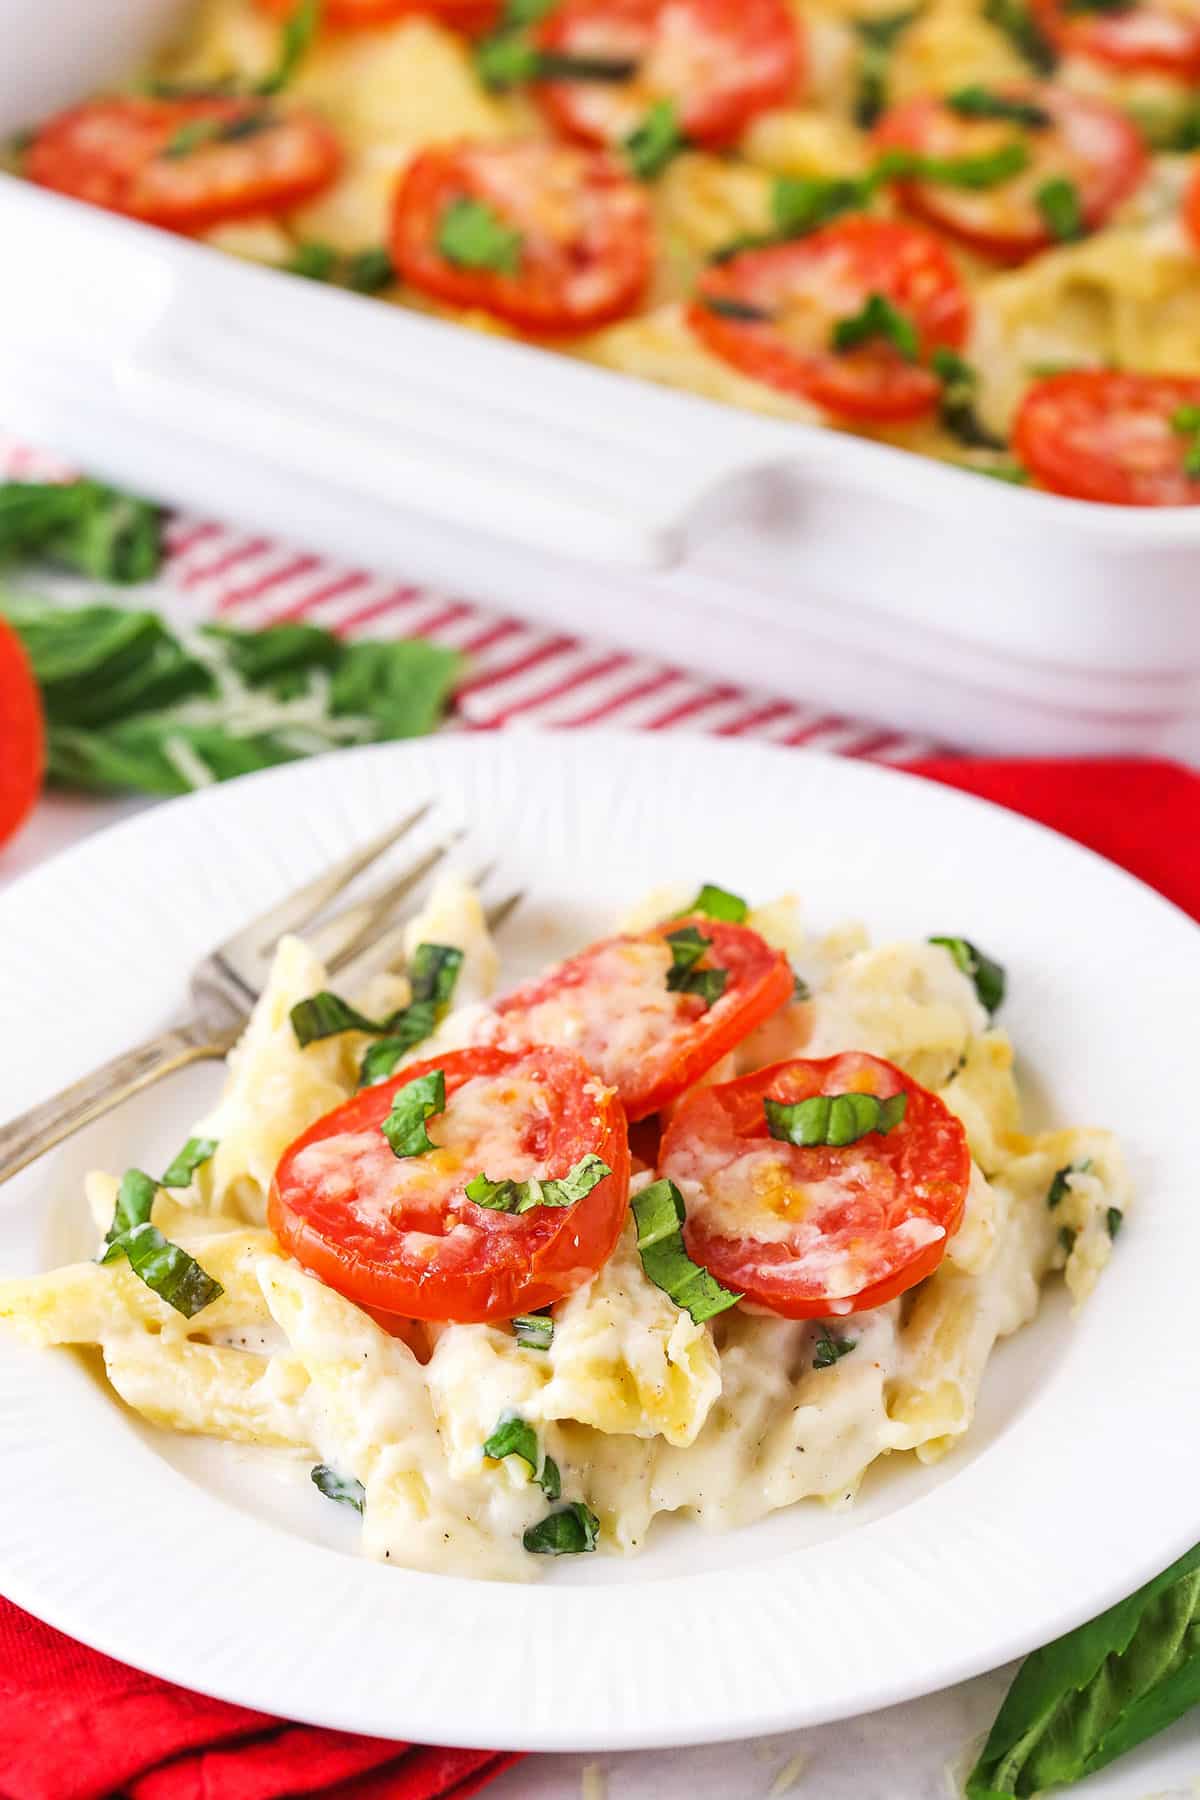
point(970, 228)
point(706, 1219)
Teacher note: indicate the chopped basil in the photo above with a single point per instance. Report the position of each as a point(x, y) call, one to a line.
point(1060, 206)
point(195, 1153)
point(834, 1119)
point(299, 30)
point(534, 1331)
point(957, 409)
point(830, 1349)
point(1175, 128)
point(363, 271)
point(1185, 420)
point(684, 977)
point(432, 973)
point(878, 318)
point(659, 1213)
point(472, 235)
point(1057, 1191)
point(988, 976)
point(342, 1488)
point(802, 203)
point(1017, 22)
point(800, 988)
point(198, 134)
point(717, 903)
point(87, 527)
point(977, 102)
point(521, 13)
point(571, 1532)
point(166, 1270)
point(523, 1196)
point(878, 38)
point(726, 307)
point(988, 169)
point(514, 1437)
point(1066, 1238)
point(412, 1104)
point(508, 59)
point(1114, 1218)
point(656, 140)
point(135, 1201)
point(1007, 471)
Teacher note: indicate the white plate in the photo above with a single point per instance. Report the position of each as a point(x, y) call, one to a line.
point(1077, 1482)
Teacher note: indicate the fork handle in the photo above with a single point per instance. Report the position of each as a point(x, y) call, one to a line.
point(43, 1126)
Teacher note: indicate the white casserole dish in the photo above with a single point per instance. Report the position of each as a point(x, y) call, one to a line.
point(782, 555)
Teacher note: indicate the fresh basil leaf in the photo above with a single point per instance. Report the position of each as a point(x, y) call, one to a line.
point(1066, 1238)
point(878, 38)
point(659, 1214)
point(878, 318)
point(830, 1349)
point(514, 1437)
point(368, 271)
point(523, 1196)
point(988, 169)
point(381, 1059)
point(167, 1270)
point(717, 903)
point(520, 14)
point(988, 977)
point(1057, 1191)
point(363, 271)
point(299, 30)
point(802, 203)
point(509, 59)
point(1007, 471)
point(412, 1104)
point(195, 1153)
point(571, 1532)
point(135, 1201)
point(533, 1331)
point(835, 1119)
point(1186, 421)
point(130, 705)
point(433, 971)
point(342, 1488)
point(1059, 203)
point(313, 260)
point(684, 976)
point(1171, 128)
point(800, 988)
point(656, 141)
point(472, 235)
point(198, 134)
point(1017, 22)
point(1114, 1218)
point(92, 529)
point(1097, 1692)
point(327, 1015)
point(978, 102)
point(957, 408)
point(726, 307)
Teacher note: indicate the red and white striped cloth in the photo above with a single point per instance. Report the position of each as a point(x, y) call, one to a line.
point(518, 674)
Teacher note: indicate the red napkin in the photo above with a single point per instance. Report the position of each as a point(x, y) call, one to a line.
point(77, 1726)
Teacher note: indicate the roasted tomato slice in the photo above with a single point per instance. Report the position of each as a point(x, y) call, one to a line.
point(821, 1230)
point(184, 164)
point(547, 236)
point(398, 1234)
point(719, 61)
point(1160, 35)
point(1080, 164)
point(352, 15)
point(1129, 440)
point(22, 735)
point(777, 313)
point(612, 1005)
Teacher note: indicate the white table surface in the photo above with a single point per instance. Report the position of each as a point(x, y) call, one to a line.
point(914, 1752)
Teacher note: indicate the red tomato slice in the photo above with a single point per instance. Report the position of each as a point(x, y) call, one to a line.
point(1098, 435)
point(805, 287)
point(612, 1005)
point(817, 1231)
point(116, 154)
point(22, 734)
point(1088, 143)
point(399, 1235)
point(1163, 35)
point(352, 15)
point(585, 244)
point(720, 61)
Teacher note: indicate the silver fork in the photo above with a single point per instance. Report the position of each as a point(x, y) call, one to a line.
point(355, 942)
